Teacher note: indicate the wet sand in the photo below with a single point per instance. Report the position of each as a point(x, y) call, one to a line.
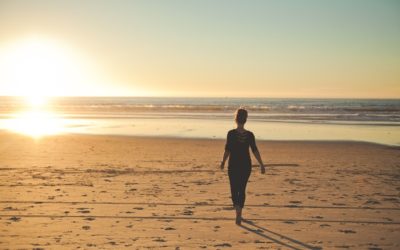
point(97, 192)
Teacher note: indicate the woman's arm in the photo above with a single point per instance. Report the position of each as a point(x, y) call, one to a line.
point(228, 147)
point(226, 155)
point(254, 149)
point(258, 157)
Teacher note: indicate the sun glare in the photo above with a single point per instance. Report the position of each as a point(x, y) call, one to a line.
point(37, 67)
point(36, 101)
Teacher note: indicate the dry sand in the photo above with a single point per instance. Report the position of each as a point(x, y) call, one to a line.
point(95, 192)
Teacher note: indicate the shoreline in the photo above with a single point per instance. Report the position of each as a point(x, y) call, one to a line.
point(161, 137)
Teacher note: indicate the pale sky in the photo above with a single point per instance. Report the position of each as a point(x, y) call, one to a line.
point(341, 48)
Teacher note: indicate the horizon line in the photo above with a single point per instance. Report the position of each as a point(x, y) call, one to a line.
point(225, 97)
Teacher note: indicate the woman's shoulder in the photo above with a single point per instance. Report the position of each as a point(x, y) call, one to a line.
point(231, 131)
point(245, 131)
point(250, 133)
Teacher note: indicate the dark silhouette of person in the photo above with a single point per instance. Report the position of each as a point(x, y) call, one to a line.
point(237, 146)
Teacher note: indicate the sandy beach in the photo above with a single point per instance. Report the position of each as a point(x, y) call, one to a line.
point(114, 118)
point(97, 192)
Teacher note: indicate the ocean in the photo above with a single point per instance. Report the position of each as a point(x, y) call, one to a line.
point(371, 120)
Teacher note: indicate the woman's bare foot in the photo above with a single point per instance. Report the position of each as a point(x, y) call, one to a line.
point(238, 220)
point(238, 215)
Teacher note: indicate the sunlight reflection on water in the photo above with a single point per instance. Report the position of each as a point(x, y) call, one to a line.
point(41, 123)
point(35, 123)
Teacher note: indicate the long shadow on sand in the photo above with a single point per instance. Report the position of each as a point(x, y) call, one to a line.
point(291, 243)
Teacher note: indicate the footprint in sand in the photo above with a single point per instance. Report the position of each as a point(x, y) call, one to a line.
point(14, 218)
point(372, 202)
point(259, 241)
point(347, 231)
point(342, 246)
point(375, 248)
point(223, 245)
point(159, 240)
point(188, 212)
point(339, 204)
point(10, 209)
point(324, 225)
point(83, 210)
point(289, 222)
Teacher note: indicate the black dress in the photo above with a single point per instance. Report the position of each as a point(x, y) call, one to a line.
point(239, 166)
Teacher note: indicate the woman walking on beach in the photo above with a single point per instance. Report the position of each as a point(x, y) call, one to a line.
point(239, 166)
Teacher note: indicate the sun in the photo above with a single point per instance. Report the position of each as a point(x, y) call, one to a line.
point(37, 67)
point(36, 101)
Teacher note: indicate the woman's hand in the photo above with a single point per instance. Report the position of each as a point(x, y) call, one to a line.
point(226, 155)
point(258, 157)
